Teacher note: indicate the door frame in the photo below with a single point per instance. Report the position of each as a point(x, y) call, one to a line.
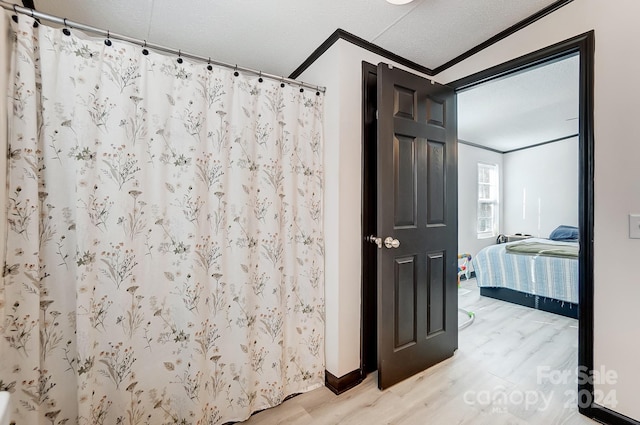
point(584, 45)
point(369, 291)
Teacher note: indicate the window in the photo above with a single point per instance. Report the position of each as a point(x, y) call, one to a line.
point(488, 194)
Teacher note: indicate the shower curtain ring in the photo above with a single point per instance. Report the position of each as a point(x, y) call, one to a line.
point(179, 54)
point(282, 82)
point(235, 72)
point(108, 41)
point(15, 17)
point(36, 23)
point(144, 48)
point(65, 30)
point(260, 77)
point(209, 67)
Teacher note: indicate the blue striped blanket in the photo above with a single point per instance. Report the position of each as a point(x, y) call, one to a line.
point(532, 274)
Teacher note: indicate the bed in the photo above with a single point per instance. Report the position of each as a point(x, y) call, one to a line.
point(535, 272)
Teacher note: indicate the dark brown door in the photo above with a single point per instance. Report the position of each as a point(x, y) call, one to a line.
point(417, 206)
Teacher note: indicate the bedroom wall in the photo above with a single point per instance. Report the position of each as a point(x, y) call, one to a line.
point(468, 158)
point(541, 188)
point(617, 175)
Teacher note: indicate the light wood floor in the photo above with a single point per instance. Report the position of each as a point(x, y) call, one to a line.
point(493, 379)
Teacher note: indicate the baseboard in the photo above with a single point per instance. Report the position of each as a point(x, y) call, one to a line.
point(344, 383)
point(610, 417)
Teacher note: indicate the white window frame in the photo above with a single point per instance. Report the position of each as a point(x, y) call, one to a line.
point(492, 187)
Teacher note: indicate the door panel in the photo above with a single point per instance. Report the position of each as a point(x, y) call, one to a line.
point(436, 202)
point(436, 292)
point(404, 102)
point(435, 112)
point(416, 204)
point(405, 302)
point(405, 174)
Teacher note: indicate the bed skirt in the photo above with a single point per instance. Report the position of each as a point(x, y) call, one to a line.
point(538, 302)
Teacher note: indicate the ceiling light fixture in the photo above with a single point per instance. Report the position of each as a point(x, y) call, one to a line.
point(398, 2)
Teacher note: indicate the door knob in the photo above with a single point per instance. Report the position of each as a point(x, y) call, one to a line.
point(375, 240)
point(391, 243)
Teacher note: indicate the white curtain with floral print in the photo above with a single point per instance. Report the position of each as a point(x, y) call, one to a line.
point(164, 247)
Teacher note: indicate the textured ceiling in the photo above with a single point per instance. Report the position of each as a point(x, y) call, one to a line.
point(531, 107)
point(276, 36)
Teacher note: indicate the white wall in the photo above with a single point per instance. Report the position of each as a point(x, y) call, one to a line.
point(617, 175)
point(541, 188)
point(538, 191)
point(336, 342)
point(340, 70)
point(468, 158)
point(4, 60)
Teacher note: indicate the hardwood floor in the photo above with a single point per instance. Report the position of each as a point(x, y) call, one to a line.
point(507, 370)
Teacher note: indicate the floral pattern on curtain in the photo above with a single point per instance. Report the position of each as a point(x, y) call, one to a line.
point(165, 249)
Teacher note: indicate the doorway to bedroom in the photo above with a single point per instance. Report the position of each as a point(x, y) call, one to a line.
point(525, 218)
point(572, 338)
point(518, 175)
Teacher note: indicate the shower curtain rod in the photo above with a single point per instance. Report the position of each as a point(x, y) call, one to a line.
point(143, 43)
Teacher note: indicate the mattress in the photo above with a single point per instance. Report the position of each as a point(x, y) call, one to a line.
point(540, 275)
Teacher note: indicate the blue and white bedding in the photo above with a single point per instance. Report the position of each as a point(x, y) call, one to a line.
point(532, 274)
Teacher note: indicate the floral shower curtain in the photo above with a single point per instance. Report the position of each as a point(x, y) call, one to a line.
point(164, 247)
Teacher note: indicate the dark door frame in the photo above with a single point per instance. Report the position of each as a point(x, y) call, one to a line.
point(583, 45)
point(369, 313)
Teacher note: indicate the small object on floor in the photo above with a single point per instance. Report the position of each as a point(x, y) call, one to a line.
point(464, 267)
point(470, 314)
